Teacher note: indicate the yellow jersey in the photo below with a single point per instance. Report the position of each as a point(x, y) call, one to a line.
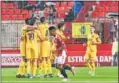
point(32, 37)
point(43, 29)
point(91, 47)
point(61, 34)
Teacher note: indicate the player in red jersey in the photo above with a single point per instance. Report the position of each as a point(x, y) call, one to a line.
point(60, 54)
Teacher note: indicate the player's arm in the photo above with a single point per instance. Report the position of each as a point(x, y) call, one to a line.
point(30, 28)
point(98, 41)
point(40, 36)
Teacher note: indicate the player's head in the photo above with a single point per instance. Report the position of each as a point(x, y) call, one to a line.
point(52, 30)
point(42, 19)
point(60, 26)
point(92, 29)
point(27, 21)
point(32, 21)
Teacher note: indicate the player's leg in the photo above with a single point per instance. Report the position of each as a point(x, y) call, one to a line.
point(93, 56)
point(21, 69)
point(28, 64)
point(49, 66)
point(35, 60)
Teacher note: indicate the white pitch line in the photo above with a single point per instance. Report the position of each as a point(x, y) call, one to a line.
point(60, 81)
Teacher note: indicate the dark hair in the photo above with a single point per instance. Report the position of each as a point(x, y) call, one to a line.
point(61, 24)
point(42, 19)
point(27, 21)
point(32, 21)
point(52, 28)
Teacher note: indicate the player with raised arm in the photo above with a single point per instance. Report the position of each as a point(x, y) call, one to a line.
point(32, 49)
point(91, 51)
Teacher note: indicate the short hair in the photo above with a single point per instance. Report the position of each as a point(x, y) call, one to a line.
point(42, 19)
point(32, 21)
point(61, 24)
point(52, 28)
point(27, 21)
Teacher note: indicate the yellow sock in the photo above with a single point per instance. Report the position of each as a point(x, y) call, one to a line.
point(57, 71)
point(34, 68)
point(49, 67)
point(93, 66)
point(40, 70)
point(44, 67)
point(28, 67)
point(89, 66)
point(21, 69)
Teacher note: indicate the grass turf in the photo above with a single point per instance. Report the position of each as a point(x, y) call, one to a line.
point(103, 75)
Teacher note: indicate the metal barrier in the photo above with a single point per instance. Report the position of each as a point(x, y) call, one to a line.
point(10, 34)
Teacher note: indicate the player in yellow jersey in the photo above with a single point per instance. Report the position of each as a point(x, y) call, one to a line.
point(32, 49)
point(45, 66)
point(91, 51)
point(21, 69)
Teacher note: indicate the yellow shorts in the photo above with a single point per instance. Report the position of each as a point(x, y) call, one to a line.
point(90, 55)
point(32, 53)
point(22, 49)
point(45, 49)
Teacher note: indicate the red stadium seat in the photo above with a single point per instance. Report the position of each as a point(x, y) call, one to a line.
point(64, 4)
point(4, 12)
point(10, 5)
point(66, 9)
point(60, 9)
point(10, 12)
point(95, 14)
point(13, 17)
point(62, 15)
point(57, 4)
point(20, 17)
point(106, 8)
point(5, 17)
point(26, 16)
point(102, 14)
point(114, 8)
point(98, 8)
point(25, 12)
point(70, 4)
point(103, 3)
point(17, 11)
point(3, 5)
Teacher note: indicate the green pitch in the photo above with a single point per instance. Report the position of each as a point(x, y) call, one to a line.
point(103, 75)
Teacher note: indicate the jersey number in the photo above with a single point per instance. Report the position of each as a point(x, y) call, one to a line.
point(31, 36)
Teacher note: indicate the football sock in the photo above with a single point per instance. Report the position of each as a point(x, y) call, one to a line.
point(41, 68)
point(49, 67)
point(28, 67)
point(34, 68)
point(21, 69)
point(93, 66)
point(57, 72)
point(45, 67)
point(89, 66)
point(67, 67)
point(63, 72)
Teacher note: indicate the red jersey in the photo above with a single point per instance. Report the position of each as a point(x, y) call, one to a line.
point(60, 45)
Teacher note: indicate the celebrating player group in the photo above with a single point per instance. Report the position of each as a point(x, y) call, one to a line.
point(42, 45)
